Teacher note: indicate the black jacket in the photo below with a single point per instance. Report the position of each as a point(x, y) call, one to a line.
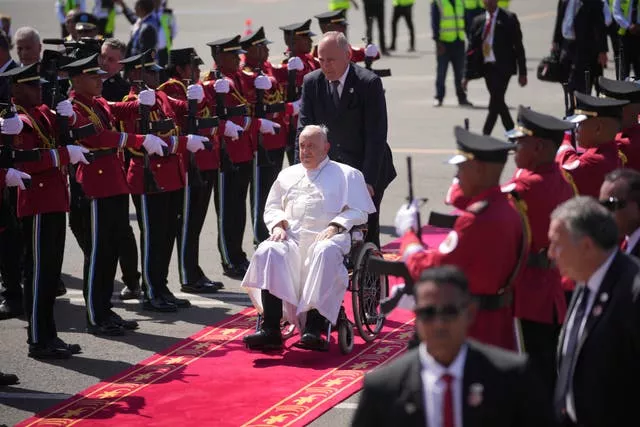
point(4, 87)
point(507, 45)
point(115, 88)
point(357, 128)
point(589, 28)
point(511, 397)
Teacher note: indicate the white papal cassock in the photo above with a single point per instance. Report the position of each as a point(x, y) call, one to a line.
point(303, 274)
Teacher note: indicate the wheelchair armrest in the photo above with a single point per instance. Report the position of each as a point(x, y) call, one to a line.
point(358, 233)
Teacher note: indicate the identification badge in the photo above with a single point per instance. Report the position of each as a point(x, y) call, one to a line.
point(486, 49)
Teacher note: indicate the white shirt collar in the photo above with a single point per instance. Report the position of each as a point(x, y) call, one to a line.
point(456, 369)
point(317, 170)
point(632, 240)
point(6, 64)
point(343, 78)
point(597, 277)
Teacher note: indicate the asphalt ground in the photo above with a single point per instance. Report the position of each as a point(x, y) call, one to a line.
point(415, 128)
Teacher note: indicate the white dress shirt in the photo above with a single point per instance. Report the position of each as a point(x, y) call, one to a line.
point(594, 283)
point(621, 19)
point(5, 65)
point(342, 79)
point(434, 386)
point(489, 55)
point(632, 241)
point(568, 31)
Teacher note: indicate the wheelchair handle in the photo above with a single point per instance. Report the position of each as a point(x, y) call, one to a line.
point(381, 266)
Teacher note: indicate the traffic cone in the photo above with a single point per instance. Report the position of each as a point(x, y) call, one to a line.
point(247, 27)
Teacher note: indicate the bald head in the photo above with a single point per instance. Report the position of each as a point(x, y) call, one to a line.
point(314, 146)
point(334, 54)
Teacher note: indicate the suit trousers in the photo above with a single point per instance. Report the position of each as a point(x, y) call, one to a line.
point(497, 82)
point(157, 215)
point(109, 217)
point(264, 175)
point(576, 63)
point(405, 12)
point(374, 9)
point(194, 206)
point(373, 225)
point(272, 310)
point(540, 342)
point(43, 265)
point(234, 185)
point(11, 250)
point(631, 55)
point(454, 54)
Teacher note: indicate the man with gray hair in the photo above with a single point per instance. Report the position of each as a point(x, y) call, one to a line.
point(350, 100)
point(299, 270)
point(28, 45)
point(599, 345)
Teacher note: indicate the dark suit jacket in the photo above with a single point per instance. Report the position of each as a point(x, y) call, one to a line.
point(357, 129)
point(507, 45)
point(145, 38)
point(393, 395)
point(591, 33)
point(607, 368)
point(4, 87)
point(115, 88)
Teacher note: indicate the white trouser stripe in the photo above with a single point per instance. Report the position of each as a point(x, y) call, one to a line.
point(92, 261)
point(185, 228)
point(145, 257)
point(223, 242)
point(35, 280)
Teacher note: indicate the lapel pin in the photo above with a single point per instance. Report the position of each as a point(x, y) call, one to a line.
point(350, 90)
point(410, 407)
point(475, 395)
point(597, 310)
point(604, 297)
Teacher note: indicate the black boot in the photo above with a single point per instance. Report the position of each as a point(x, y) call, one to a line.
point(269, 336)
point(8, 379)
point(312, 335)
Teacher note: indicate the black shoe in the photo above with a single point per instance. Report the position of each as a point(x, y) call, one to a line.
point(385, 52)
point(234, 271)
point(62, 289)
point(73, 348)
point(108, 329)
point(50, 351)
point(159, 304)
point(312, 341)
point(8, 379)
point(178, 302)
point(128, 293)
point(130, 325)
point(9, 310)
point(202, 286)
point(264, 339)
point(465, 103)
point(392, 48)
point(411, 49)
point(437, 102)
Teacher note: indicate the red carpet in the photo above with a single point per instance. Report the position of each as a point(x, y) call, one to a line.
point(210, 379)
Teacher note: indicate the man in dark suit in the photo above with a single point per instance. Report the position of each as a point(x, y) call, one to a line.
point(580, 36)
point(144, 35)
point(599, 346)
point(449, 380)
point(620, 194)
point(350, 101)
point(496, 53)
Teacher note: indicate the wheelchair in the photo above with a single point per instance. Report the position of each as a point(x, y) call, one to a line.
point(367, 290)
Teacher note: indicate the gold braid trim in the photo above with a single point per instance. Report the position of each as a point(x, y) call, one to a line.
point(622, 157)
point(572, 183)
point(92, 115)
point(48, 143)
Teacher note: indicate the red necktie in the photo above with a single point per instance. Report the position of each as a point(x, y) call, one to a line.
point(487, 27)
point(624, 245)
point(447, 403)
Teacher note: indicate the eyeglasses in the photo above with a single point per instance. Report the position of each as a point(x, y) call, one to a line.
point(446, 313)
point(613, 204)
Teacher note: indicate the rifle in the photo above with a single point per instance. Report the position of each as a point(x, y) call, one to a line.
point(224, 113)
point(9, 156)
point(292, 96)
point(568, 109)
point(411, 196)
point(368, 61)
point(260, 112)
point(194, 124)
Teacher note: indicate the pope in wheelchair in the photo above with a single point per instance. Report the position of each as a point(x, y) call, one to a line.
point(299, 272)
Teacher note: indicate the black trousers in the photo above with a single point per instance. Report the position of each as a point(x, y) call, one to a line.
point(194, 207)
point(540, 342)
point(612, 32)
point(157, 217)
point(109, 218)
point(272, 310)
point(373, 225)
point(42, 268)
point(234, 185)
point(497, 83)
point(11, 250)
point(264, 175)
point(163, 56)
point(374, 9)
point(631, 55)
point(405, 12)
point(576, 63)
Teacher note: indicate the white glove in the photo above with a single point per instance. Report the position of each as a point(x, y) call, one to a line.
point(147, 97)
point(14, 178)
point(195, 92)
point(76, 154)
point(406, 218)
point(195, 143)
point(153, 145)
point(65, 108)
point(232, 130)
point(11, 126)
point(267, 126)
point(371, 51)
point(296, 107)
point(262, 82)
point(221, 86)
point(295, 63)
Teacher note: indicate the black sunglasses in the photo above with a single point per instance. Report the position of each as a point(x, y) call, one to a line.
point(613, 204)
point(446, 312)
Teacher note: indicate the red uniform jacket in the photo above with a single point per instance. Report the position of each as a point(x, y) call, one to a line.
point(485, 244)
point(629, 144)
point(104, 177)
point(589, 168)
point(205, 159)
point(49, 191)
point(168, 170)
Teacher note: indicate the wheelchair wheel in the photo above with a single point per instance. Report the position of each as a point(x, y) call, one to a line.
point(345, 337)
point(368, 290)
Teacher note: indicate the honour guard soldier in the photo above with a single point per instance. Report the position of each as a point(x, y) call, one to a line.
point(230, 96)
point(42, 209)
point(104, 183)
point(337, 21)
point(183, 67)
point(599, 122)
point(489, 229)
point(157, 183)
point(629, 138)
